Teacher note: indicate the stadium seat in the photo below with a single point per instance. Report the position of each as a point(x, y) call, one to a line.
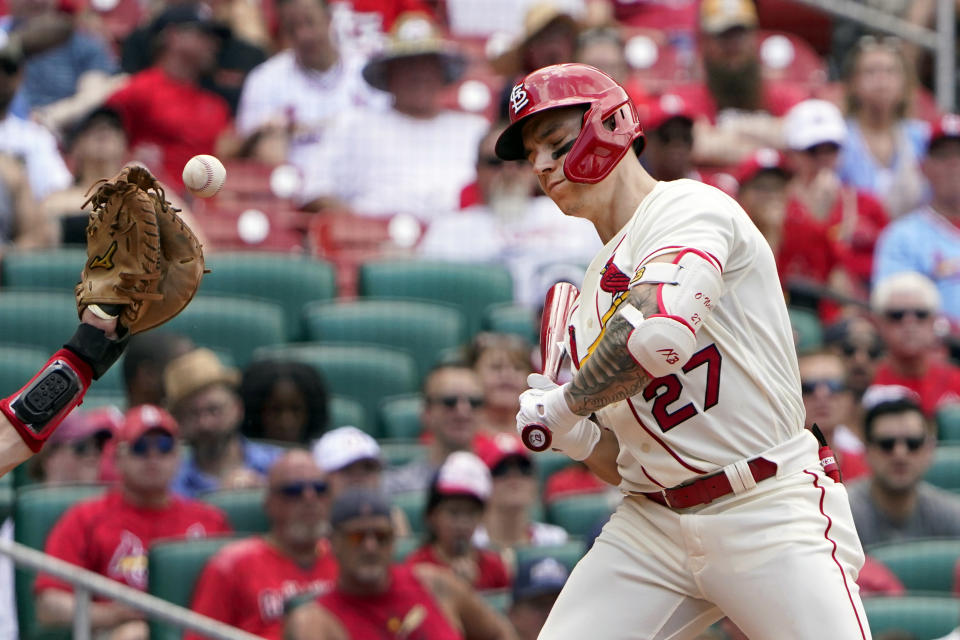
point(921, 565)
point(400, 416)
point(175, 567)
point(512, 318)
point(95, 399)
point(568, 553)
point(347, 412)
point(579, 515)
point(36, 510)
point(39, 319)
point(549, 462)
point(235, 325)
point(948, 424)
point(397, 453)
point(471, 287)
point(20, 364)
point(806, 328)
point(945, 470)
point(288, 280)
point(403, 547)
point(926, 617)
point(413, 504)
point(421, 329)
point(362, 373)
point(499, 599)
point(6, 496)
point(54, 270)
point(243, 507)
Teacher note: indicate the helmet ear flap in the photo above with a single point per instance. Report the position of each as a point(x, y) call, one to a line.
point(605, 138)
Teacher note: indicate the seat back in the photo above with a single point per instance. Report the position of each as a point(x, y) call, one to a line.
point(921, 565)
point(54, 269)
point(175, 566)
point(400, 416)
point(945, 470)
point(568, 553)
point(36, 509)
point(579, 515)
point(806, 329)
point(926, 617)
point(948, 424)
point(243, 507)
point(414, 504)
point(40, 319)
point(517, 319)
point(348, 412)
point(470, 287)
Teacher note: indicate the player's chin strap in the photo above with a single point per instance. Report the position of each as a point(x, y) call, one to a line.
point(827, 460)
point(59, 386)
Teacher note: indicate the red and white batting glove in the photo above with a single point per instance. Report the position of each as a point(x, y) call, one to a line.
point(544, 403)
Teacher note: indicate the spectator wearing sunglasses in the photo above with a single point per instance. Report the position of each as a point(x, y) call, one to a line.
point(73, 453)
point(452, 400)
point(828, 403)
point(111, 534)
point(375, 598)
point(906, 306)
point(291, 559)
point(455, 504)
point(506, 220)
point(895, 503)
point(508, 521)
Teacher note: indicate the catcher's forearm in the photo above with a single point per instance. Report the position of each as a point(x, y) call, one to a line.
point(611, 374)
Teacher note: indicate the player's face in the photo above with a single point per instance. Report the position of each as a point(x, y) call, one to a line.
point(453, 400)
point(899, 450)
point(907, 325)
point(364, 549)
point(453, 522)
point(825, 395)
point(544, 138)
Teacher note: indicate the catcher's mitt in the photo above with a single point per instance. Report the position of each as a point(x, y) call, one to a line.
point(140, 254)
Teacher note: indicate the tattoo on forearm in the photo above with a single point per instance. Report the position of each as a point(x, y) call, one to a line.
point(610, 374)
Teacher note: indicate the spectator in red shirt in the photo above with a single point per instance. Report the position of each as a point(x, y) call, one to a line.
point(907, 306)
point(827, 402)
point(456, 500)
point(741, 110)
point(293, 558)
point(167, 116)
point(375, 598)
point(111, 534)
point(73, 452)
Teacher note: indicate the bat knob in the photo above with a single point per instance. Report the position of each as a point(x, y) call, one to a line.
point(536, 437)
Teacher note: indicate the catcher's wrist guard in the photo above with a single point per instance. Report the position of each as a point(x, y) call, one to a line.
point(97, 350)
point(42, 404)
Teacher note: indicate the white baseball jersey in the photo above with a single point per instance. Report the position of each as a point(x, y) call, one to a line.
point(739, 394)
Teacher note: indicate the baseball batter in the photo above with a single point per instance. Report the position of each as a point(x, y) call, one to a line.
point(683, 354)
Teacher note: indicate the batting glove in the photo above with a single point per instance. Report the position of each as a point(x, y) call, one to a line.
point(545, 404)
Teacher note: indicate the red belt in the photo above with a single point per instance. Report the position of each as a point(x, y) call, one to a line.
point(707, 489)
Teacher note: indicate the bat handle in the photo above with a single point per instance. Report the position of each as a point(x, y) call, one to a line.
point(536, 437)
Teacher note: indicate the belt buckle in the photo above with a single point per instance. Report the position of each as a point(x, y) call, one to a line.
point(666, 500)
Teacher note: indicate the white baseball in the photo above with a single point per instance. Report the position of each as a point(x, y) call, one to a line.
point(204, 175)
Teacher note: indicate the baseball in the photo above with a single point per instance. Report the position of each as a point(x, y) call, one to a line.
point(204, 175)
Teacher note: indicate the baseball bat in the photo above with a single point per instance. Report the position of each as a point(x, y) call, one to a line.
point(553, 324)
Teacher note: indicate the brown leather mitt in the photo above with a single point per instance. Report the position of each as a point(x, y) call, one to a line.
point(143, 263)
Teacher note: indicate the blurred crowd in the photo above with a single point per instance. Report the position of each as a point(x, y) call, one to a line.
point(353, 129)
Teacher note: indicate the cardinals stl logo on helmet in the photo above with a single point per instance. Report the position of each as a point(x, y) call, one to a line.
point(518, 98)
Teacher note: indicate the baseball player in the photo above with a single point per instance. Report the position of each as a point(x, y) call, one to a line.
point(683, 355)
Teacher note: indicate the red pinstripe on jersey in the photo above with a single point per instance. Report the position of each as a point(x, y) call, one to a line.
point(663, 444)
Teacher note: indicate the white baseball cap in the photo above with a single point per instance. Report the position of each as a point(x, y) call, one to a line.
point(463, 473)
point(342, 447)
point(814, 122)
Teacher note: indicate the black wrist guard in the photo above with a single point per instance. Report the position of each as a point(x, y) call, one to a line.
point(94, 347)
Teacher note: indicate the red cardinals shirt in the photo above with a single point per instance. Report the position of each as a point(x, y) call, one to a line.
point(405, 610)
point(175, 118)
point(940, 385)
point(491, 572)
point(111, 537)
point(247, 582)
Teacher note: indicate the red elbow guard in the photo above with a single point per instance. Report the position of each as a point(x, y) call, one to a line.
point(43, 403)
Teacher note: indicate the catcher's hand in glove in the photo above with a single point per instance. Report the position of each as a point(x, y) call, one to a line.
point(143, 263)
point(544, 403)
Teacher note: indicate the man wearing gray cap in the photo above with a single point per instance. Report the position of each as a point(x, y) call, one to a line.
point(374, 598)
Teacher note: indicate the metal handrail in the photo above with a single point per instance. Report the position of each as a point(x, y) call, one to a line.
point(86, 582)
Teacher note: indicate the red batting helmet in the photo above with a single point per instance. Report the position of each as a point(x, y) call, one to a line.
point(597, 149)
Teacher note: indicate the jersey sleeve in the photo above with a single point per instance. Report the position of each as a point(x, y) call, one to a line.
point(212, 596)
point(67, 541)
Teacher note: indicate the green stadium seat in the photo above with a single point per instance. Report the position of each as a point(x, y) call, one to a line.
point(39, 319)
point(403, 547)
point(470, 287)
point(400, 416)
point(579, 514)
point(517, 319)
point(926, 617)
point(548, 463)
point(36, 509)
point(54, 270)
point(921, 565)
point(7, 495)
point(175, 567)
point(288, 280)
point(945, 470)
point(347, 412)
point(413, 504)
point(499, 599)
point(568, 553)
point(397, 453)
point(807, 329)
point(948, 424)
point(235, 325)
point(20, 364)
point(244, 508)
point(95, 399)
point(363, 373)
point(422, 329)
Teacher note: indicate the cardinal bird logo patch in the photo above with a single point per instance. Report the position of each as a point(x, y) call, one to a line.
point(612, 280)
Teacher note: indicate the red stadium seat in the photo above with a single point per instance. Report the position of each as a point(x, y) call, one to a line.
point(347, 241)
point(251, 225)
point(789, 58)
point(813, 25)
